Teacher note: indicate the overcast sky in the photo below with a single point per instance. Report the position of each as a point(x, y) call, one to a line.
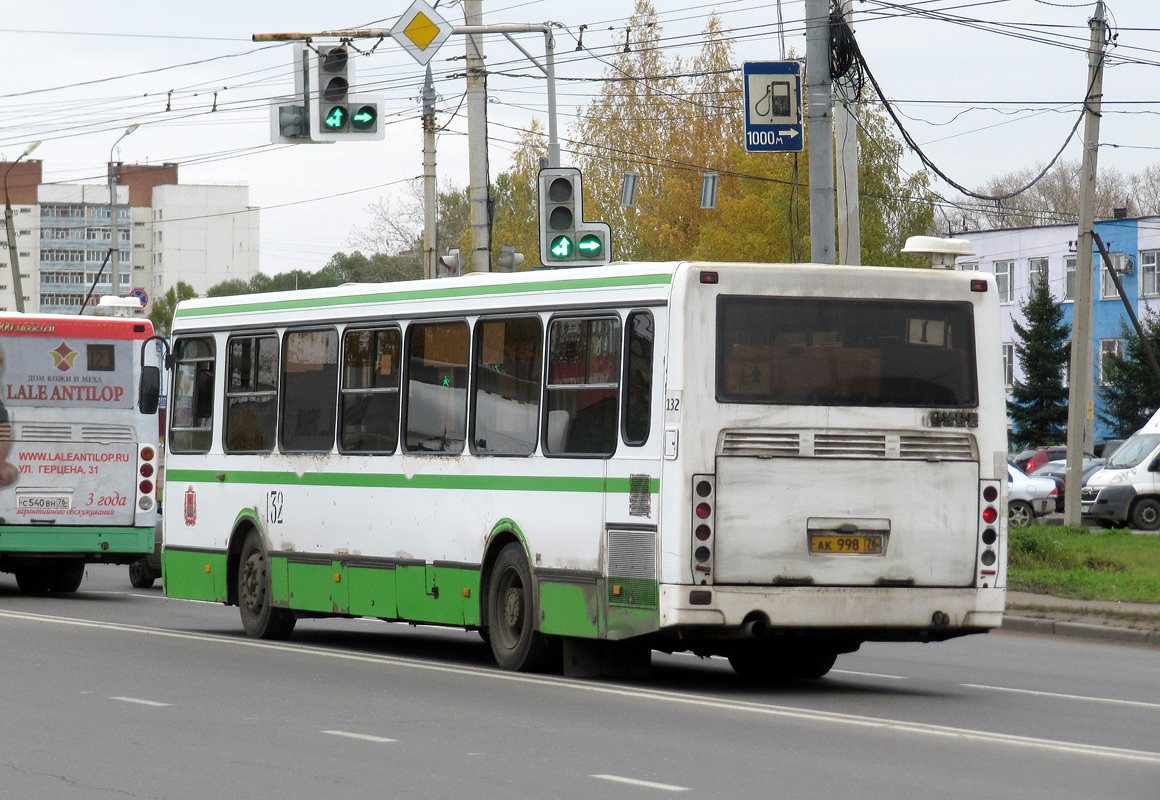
point(986, 88)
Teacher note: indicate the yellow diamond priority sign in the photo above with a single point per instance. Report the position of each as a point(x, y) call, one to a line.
point(421, 31)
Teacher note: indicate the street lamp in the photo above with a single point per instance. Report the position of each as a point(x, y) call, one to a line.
point(114, 240)
point(10, 227)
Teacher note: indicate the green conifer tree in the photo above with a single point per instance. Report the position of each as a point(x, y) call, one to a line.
point(1128, 390)
point(1038, 408)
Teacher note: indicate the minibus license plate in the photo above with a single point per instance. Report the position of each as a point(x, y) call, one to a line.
point(863, 544)
point(33, 502)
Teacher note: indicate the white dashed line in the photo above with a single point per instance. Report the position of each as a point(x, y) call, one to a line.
point(141, 702)
point(664, 787)
point(366, 737)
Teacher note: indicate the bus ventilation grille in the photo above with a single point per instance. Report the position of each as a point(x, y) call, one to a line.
point(632, 575)
point(848, 444)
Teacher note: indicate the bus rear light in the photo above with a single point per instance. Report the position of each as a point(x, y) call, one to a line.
point(989, 536)
point(145, 486)
point(145, 503)
point(988, 558)
point(147, 453)
point(708, 277)
point(146, 470)
point(703, 533)
point(702, 554)
point(978, 285)
point(990, 493)
point(702, 527)
point(990, 514)
point(704, 510)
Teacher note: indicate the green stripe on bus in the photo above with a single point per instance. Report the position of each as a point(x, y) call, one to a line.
point(441, 292)
point(363, 480)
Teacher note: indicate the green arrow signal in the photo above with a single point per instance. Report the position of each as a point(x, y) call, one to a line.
point(336, 119)
point(590, 245)
point(364, 118)
point(561, 247)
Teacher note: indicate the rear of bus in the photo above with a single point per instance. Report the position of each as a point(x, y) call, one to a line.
point(77, 454)
point(835, 445)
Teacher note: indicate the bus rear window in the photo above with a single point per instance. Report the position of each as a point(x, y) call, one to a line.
point(845, 352)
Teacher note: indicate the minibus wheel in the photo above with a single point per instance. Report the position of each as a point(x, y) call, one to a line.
point(511, 618)
point(259, 616)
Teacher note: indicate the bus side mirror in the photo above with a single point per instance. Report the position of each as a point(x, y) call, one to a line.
point(149, 391)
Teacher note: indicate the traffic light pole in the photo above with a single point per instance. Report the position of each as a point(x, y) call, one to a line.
point(430, 186)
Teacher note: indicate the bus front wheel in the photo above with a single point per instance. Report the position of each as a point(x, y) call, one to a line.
point(515, 642)
point(259, 616)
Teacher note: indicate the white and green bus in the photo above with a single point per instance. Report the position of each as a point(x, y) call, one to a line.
point(772, 463)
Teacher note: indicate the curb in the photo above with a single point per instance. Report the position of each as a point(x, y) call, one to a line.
point(1080, 630)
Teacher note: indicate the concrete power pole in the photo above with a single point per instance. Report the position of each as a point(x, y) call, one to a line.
point(430, 186)
point(821, 131)
point(846, 142)
point(477, 190)
point(1081, 390)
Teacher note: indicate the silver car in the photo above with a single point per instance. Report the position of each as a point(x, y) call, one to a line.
point(1028, 497)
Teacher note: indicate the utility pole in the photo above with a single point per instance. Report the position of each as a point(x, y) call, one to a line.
point(1081, 389)
point(430, 186)
point(846, 142)
point(821, 131)
point(477, 189)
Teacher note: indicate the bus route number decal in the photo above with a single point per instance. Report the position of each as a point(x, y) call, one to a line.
point(274, 503)
point(673, 407)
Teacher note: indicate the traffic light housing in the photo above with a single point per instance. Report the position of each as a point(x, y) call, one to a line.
point(335, 113)
point(566, 240)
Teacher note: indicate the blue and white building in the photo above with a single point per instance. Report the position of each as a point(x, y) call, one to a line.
point(1020, 256)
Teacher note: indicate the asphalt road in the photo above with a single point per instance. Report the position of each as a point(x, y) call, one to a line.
point(120, 693)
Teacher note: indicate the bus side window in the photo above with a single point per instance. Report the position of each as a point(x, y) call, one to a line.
point(583, 384)
point(507, 386)
point(251, 392)
point(638, 377)
point(191, 407)
point(437, 368)
point(309, 391)
point(371, 363)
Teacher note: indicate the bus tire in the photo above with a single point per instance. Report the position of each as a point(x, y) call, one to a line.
point(66, 578)
point(515, 642)
point(766, 662)
point(139, 574)
point(259, 616)
point(32, 580)
point(1146, 514)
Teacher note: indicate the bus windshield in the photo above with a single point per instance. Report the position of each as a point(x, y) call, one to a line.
point(837, 351)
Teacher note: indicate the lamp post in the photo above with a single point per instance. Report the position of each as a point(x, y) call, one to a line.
point(10, 227)
point(114, 240)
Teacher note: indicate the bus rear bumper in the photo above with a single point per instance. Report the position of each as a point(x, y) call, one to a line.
point(868, 613)
point(112, 544)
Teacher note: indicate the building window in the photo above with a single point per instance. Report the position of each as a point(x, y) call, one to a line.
point(1003, 270)
point(1069, 278)
point(1109, 348)
point(1036, 272)
point(1107, 284)
point(969, 266)
point(1149, 285)
point(1008, 365)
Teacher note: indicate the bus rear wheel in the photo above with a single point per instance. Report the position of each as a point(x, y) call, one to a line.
point(515, 642)
point(32, 580)
point(67, 577)
point(259, 616)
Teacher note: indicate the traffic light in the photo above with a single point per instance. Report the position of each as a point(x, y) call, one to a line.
point(335, 113)
point(451, 264)
point(508, 259)
point(566, 240)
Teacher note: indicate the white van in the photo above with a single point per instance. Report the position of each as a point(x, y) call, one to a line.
point(1127, 490)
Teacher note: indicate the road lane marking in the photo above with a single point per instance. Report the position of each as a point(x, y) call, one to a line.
point(661, 696)
point(366, 737)
point(1136, 703)
point(141, 702)
point(664, 787)
point(870, 675)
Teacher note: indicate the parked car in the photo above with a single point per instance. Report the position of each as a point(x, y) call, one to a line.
point(1028, 497)
point(1127, 490)
point(1105, 448)
point(1057, 471)
point(1035, 457)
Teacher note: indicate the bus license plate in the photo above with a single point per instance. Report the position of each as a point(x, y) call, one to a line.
point(863, 544)
point(38, 503)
